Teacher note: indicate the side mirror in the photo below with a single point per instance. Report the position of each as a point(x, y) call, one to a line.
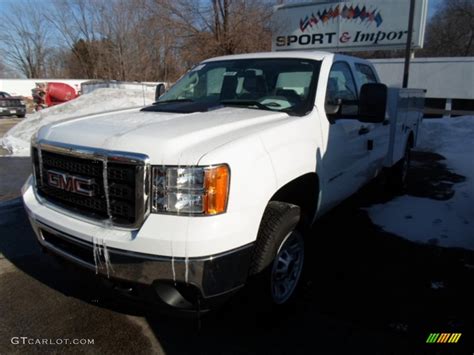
point(332, 107)
point(372, 102)
point(160, 90)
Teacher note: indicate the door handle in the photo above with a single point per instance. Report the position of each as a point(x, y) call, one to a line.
point(363, 130)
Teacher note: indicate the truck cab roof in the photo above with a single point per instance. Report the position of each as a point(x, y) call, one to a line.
point(308, 54)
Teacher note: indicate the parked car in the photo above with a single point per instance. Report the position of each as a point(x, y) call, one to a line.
point(12, 105)
point(217, 181)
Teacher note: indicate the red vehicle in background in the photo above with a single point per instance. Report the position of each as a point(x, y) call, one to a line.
point(52, 93)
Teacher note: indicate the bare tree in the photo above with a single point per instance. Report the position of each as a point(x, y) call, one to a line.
point(115, 39)
point(3, 70)
point(25, 35)
point(216, 27)
point(56, 65)
point(134, 39)
point(75, 21)
point(450, 32)
point(133, 36)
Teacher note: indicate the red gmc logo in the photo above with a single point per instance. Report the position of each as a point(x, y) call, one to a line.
point(70, 183)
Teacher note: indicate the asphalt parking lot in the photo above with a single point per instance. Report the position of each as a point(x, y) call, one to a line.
point(365, 291)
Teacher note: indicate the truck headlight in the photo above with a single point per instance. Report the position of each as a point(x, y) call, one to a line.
point(190, 190)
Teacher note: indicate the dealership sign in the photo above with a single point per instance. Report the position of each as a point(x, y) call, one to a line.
point(348, 25)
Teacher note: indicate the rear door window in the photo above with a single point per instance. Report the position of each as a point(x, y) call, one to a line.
point(365, 74)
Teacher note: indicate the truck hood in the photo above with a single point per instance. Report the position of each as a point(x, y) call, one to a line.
point(167, 138)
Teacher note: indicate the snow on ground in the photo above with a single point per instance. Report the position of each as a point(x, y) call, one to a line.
point(17, 139)
point(447, 223)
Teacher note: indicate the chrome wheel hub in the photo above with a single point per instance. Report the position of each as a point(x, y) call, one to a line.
point(287, 267)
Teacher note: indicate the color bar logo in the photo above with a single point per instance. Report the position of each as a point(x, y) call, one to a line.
point(444, 338)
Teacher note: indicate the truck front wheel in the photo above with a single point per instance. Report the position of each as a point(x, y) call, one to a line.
point(278, 256)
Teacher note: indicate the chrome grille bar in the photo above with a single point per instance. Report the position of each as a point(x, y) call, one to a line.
point(107, 157)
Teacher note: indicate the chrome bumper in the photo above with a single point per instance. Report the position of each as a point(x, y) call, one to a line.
point(211, 275)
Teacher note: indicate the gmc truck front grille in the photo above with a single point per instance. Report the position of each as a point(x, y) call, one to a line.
point(100, 185)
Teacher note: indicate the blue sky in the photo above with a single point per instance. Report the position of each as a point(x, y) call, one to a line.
point(4, 5)
point(433, 4)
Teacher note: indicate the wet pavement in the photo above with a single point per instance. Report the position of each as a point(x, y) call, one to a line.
point(8, 122)
point(14, 171)
point(364, 291)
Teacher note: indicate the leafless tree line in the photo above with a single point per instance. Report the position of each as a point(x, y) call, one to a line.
point(450, 32)
point(143, 40)
point(150, 40)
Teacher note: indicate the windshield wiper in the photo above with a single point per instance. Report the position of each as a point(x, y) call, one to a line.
point(171, 101)
point(246, 103)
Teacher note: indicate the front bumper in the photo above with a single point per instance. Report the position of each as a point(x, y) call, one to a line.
point(178, 282)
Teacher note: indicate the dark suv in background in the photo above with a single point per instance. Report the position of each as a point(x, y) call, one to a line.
point(11, 105)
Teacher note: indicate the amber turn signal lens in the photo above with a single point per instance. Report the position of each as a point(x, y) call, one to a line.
point(217, 189)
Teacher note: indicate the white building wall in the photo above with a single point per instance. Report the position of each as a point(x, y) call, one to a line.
point(445, 77)
point(145, 87)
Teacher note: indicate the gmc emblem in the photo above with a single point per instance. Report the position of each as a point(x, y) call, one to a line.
point(70, 183)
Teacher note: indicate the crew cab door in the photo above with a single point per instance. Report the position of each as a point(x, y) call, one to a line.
point(345, 159)
point(378, 136)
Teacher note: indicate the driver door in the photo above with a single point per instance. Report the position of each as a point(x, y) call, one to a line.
point(345, 159)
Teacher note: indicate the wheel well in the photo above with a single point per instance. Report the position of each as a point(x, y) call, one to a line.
point(303, 192)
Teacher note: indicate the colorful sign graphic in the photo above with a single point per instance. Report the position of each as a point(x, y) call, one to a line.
point(346, 13)
point(363, 25)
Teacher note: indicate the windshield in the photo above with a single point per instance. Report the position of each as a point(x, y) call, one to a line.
point(268, 84)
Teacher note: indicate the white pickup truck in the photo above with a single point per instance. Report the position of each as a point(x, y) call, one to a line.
point(217, 181)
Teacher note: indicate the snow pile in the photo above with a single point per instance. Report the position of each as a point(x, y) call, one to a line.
point(17, 139)
point(447, 223)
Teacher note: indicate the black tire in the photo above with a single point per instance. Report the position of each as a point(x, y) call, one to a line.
point(398, 174)
point(278, 255)
point(21, 116)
